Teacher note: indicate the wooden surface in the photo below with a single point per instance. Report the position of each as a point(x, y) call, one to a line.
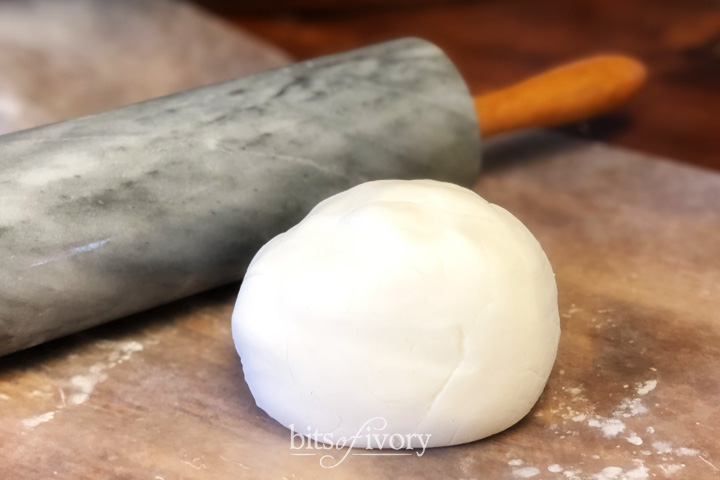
point(633, 241)
point(496, 43)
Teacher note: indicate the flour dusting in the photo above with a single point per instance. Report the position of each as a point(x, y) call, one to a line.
point(630, 407)
point(526, 472)
point(670, 469)
point(662, 447)
point(38, 419)
point(608, 473)
point(686, 452)
point(81, 387)
point(647, 387)
point(639, 473)
point(574, 391)
point(577, 411)
point(610, 427)
point(40, 393)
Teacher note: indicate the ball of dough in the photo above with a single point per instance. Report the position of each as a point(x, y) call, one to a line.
point(414, 301)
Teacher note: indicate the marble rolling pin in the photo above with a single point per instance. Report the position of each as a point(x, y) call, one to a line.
point(114, 213)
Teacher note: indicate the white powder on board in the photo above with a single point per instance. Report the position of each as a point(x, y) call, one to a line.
point(646, 387)
point(81, 387)
point(40, 393)
point(574, 391)
point(576, 410)
point(662, 447)
point(630, 407)
point(84, 385)
point(38, 419)
point(670, 469)
point(687, 452)
point(608, 473)
point(610, 427)
point(639, 473)
point(526, 472)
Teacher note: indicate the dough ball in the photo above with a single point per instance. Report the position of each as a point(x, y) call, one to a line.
point(414, 301)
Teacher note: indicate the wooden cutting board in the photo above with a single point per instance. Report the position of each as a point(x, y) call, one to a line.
point(635, 244)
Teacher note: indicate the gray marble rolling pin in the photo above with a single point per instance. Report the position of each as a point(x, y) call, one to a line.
point(114, 213)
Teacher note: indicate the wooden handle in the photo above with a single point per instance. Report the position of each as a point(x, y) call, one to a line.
point(565, 94)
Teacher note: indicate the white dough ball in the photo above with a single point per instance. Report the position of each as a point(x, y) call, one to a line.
point(414, 301)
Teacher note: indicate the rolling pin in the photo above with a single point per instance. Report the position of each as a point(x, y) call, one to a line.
point(114, 213)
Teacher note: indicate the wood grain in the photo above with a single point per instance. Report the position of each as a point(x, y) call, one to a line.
point(632, 240)
point(497, 43)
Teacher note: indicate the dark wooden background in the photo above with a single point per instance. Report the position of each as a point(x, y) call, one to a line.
point(496, 42)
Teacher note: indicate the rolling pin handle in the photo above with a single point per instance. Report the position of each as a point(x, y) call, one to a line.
point(566, 94)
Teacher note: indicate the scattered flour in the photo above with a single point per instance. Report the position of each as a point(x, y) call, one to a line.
point(37, 420)
point(630, 407)
point(572, 474)
point(82, 386)
point(611, 427)
point(526, 472)
point(647, 387)
point(608, 473)
point(686, 452)
point(40, 393)
point(662, 447)
point(639, 473)
point(466, 463)
point(670, 469)
point(579, 410)
point(710, 464)
point(4, 397)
